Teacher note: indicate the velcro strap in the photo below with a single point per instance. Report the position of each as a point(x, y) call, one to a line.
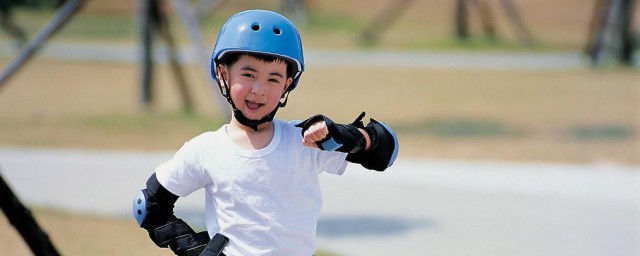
point(343, 138)
point(190, 245)
point(215, 246)
point(173, 229)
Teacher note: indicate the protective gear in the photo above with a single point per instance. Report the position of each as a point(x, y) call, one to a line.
point(140, 207)
point(215, 246)
point(153, 210)
point(343, 138)
point(382, 152)
point(384, 147)
point(258, 32)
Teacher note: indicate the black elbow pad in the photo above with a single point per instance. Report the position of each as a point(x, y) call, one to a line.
point(384, 147)
point(153, 205)
point(153, 210)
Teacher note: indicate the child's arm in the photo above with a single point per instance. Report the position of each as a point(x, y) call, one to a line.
point(374, 146)
point(319, 131)
point(153, 210)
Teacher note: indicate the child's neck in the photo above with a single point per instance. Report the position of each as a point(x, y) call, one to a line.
point(247, 138)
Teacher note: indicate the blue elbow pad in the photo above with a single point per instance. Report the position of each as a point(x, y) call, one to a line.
point(140, 207)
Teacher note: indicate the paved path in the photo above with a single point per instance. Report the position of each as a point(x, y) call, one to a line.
point(401, 59)
point(419, 207)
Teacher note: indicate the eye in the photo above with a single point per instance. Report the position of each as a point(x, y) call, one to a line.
point(247, 75)
point(273, 80)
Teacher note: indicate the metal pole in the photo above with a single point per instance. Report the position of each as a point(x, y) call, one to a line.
point(626, 35)
point(146, 60)
point(204, 8)
point(594, 25)
point(58, 21)
point(384, 20)
point(163, 25)
point(462, 19)
point(486, 18)
point(203, 55)
point(22, 219)
point(522, 31)
point(607, 40)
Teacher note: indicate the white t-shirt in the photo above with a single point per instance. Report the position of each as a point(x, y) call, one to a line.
point(266, 201)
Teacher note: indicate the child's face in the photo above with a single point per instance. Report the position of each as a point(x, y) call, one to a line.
point(256, 86)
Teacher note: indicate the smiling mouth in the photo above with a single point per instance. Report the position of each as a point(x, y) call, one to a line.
point(253, 105)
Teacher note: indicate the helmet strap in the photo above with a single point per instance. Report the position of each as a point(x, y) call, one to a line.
point(251, 123)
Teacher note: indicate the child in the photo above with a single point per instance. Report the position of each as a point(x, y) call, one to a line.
point(260, 174)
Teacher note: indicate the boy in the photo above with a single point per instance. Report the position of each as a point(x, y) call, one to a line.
point(260, 174)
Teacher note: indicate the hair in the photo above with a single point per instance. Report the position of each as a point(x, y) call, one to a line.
point(231, 58)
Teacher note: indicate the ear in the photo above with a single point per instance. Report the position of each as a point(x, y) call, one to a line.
point(286, 85)
point(222, 73)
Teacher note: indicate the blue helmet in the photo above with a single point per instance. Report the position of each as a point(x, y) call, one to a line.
point(262, 32)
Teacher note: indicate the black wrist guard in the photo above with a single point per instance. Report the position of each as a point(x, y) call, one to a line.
point(382, 152)
point(180, 238)
point(342, 138)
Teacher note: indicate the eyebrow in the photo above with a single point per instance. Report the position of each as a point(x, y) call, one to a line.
point(249, 68)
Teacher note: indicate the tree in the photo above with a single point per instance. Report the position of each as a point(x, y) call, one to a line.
point(610, 33)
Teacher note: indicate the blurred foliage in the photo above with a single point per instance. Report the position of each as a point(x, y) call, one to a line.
point(37, 4)
point(332, 24)
point(602, 132)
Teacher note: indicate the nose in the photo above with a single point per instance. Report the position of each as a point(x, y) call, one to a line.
point(258, 88)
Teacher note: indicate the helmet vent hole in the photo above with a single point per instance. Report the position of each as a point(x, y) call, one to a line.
point(255, 26)
point(277, 31)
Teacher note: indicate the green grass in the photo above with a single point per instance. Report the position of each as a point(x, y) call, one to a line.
point(602, 132)
point(460, 129)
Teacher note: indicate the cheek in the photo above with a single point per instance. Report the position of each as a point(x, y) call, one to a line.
point(275, 98)
point(237, 86)
point(238, 93)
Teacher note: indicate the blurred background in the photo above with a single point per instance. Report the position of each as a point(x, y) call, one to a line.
point(518, 120)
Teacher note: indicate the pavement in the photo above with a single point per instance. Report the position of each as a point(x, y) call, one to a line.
point(417, 207)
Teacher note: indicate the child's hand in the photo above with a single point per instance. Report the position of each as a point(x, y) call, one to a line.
point(316, 132)
point(322, 133)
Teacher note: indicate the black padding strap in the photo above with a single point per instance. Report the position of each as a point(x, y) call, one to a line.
point(163, 235)
point(190, 245)
point(165, 229)
point(349, 139)
point(342, 138)
point(216, 245)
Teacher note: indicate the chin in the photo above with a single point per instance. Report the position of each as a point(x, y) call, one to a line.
point(254, 115)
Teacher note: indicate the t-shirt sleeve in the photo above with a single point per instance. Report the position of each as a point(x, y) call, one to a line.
point(332, 162)
point(182, 174)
